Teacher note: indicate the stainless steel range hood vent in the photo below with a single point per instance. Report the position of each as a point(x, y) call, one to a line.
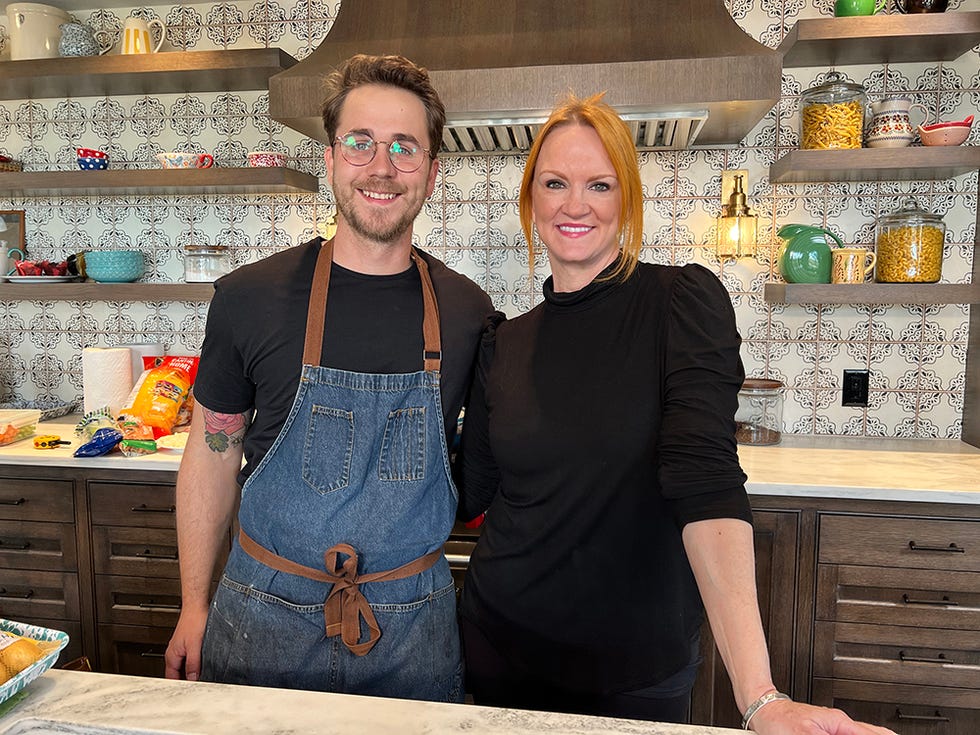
point(680, 73)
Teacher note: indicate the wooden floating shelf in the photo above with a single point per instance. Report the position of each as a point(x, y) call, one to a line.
point(174, 72)
point(91, 291)
point(875, 164)
point(872, 293)
point(215, 180)
point(880, 39)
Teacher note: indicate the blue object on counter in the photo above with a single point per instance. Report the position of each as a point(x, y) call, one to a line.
point(102, 442)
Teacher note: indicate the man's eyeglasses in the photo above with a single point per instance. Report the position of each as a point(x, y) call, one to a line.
point(359, 149)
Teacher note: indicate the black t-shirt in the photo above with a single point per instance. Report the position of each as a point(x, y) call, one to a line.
point(600, 423)
point(253, 346)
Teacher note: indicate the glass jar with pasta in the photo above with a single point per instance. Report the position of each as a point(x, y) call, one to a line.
point(909, 245)
point(832, 114)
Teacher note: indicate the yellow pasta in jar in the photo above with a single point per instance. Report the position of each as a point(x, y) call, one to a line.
point(911, 254)
point(837, 125)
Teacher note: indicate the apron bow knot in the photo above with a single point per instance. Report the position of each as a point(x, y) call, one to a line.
point(346, 606)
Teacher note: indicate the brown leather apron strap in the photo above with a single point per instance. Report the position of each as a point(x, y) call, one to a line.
point(317, 311)
point(345, 606)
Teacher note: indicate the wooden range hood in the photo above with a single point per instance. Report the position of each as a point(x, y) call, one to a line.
point(680, 73)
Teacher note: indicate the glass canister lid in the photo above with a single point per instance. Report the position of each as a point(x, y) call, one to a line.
point(206, 249)
point(910, 212)
point(836, 85)
point(761, 386)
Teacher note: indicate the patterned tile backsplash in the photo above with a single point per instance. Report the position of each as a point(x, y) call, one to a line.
point(915, 354)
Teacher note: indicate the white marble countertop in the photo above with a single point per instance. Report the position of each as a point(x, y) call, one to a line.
point(917, 470)
point(107, 704)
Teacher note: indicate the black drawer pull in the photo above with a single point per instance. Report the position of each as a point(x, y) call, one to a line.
point(26, 596)
point(940, 659)
point(156, 606)
point(19, 501)
point(912, 601)
point(147, 554)
point(144, 508)
point(938, 717)
point(17, 547)
point(951, 549)
point(151, 654)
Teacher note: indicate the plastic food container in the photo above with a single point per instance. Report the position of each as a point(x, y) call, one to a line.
point(832, 114)
point(18, 424)
point(909, 245)
point(206, 263)
point(759, 419)
point(51, 641)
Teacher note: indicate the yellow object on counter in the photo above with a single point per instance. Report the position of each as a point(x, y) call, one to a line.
point(48, 441)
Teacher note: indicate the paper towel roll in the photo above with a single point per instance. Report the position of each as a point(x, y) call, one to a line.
point(107, 377)
point(139, 351)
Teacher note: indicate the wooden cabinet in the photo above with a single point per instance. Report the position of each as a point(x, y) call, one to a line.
point(897, 621)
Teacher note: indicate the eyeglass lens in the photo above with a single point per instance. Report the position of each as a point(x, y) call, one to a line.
point(359, 149)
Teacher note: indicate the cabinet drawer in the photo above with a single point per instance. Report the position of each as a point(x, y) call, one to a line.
point(900, 542)
point(26, 595)
point(36, 500)
point(133, 650)
point(29, 545)
point(138, 552)
point(892, 654)
point(904, 708)
point(910, 597)
point(137, 601)
point(122, 504)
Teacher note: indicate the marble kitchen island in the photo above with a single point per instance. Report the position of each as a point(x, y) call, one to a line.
point(85, 703)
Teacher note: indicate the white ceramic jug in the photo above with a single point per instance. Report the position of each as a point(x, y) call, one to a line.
point(35, 30)
point(136, 37)
point(890, 125)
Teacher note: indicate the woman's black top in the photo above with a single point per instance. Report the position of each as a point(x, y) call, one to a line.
point(601, 422)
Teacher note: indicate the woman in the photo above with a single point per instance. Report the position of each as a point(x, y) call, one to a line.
point(599, 439)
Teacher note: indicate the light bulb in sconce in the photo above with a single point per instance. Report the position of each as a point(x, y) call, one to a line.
point(737, 226)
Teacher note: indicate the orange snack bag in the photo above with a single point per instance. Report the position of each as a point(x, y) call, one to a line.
point(162, 391)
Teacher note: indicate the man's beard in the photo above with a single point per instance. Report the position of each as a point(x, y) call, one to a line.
point(378, 229)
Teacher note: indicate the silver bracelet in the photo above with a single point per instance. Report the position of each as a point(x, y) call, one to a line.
point(759, 704)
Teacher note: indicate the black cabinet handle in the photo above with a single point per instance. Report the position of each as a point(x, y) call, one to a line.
point(912, 601)
point(156, 606)
point(144, 508)
point(151, 654)
point(951, 549)
point(26, 596)
point(17, 547)
point(940, 659)
point(147, 554)
point(938, 717)
point(19, 501)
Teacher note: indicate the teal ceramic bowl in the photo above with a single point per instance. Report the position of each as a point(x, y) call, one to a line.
point(114, 266)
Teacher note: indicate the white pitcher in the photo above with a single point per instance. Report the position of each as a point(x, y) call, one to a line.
point(136, 37)
point(890, 125)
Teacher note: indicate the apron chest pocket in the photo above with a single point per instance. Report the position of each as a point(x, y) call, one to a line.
point(328, 448)
point(403, 446)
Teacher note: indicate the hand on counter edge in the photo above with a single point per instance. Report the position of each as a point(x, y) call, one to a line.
point(787, 717)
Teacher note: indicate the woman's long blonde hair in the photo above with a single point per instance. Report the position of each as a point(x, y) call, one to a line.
point(618, 142)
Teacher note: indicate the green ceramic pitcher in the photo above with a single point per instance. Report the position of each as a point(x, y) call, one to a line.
point(805, 257)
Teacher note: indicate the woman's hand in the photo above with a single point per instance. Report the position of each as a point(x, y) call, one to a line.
point(786, 717)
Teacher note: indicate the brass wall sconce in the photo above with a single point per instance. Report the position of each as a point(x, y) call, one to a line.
point(737, 225)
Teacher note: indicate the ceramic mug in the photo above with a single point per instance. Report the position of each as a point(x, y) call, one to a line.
point(136, 37)
point(181, 159)
point(848, 265)
point(846, 8)
point(922, 6)
point(7, 258)
point(263, 159)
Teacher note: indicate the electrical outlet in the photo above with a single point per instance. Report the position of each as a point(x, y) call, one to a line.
point(855, 391)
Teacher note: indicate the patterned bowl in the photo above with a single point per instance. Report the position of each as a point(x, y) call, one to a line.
point(90, 153)
point(114, 266)
point(91, 163)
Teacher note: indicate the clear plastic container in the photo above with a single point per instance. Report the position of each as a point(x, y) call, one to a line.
point(832, 114)
point(18, 424)
point(909, 245)
point(206, 263)
point(759, 419)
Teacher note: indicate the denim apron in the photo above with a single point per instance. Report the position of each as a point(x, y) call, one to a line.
point(337, 581)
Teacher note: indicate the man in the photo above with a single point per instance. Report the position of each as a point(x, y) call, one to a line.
point(342, 407)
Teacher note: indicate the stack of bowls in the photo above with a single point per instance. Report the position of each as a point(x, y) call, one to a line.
point(90, 159)
point(114, 266)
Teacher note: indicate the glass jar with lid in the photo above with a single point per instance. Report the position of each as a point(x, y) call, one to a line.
point(205, 263)
point(909, 245)
point(759, 418)
point(832, 114)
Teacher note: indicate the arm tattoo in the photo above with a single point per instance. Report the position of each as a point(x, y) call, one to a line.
point(224, 430)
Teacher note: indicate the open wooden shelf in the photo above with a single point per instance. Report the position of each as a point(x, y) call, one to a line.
point(872, 293)
point(875, 164)
point(878, 39)
point(215, 180)
point(91, 291)
point(171, 72)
